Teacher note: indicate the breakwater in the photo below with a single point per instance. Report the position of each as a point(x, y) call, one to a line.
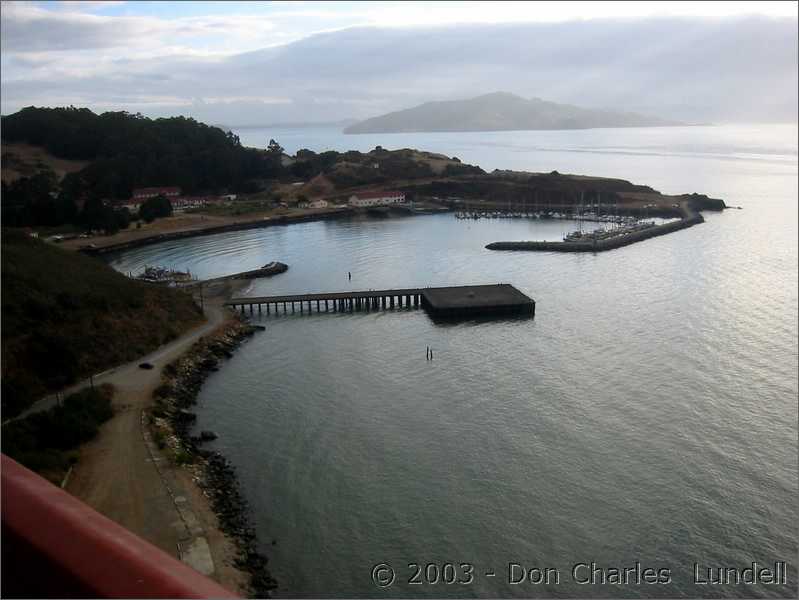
point(690, 217)
point(216, 476)
point(268, 270)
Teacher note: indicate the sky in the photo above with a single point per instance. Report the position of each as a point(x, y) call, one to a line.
point(265, 62)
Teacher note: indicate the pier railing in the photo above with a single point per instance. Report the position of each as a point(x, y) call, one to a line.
point(55, 546)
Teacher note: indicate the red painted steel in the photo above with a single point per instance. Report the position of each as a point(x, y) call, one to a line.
point(56, 546)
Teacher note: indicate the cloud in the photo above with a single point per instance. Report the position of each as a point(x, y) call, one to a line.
point(28, 28)
point(685, 69)
point(85, 5)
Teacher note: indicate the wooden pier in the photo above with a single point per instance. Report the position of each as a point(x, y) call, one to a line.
point(456, 301)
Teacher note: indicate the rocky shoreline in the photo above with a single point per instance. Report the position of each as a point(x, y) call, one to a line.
point(213, 473)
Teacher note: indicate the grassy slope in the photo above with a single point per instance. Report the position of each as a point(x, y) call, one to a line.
point(24, 160)
point(65, 315)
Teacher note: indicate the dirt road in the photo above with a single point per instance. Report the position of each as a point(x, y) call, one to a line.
point(121, 475)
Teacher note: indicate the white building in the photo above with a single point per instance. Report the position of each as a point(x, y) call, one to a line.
point(317, 204)
point(376, 198)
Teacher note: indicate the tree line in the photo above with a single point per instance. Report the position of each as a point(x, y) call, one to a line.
point(38, 201)
point(126, 151)
point(129, 151)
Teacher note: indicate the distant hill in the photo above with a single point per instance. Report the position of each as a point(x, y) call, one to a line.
point(66, 315)
point(500, 111)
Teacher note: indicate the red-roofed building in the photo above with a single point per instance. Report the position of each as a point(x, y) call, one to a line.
point(376, 198)
point(142, 194)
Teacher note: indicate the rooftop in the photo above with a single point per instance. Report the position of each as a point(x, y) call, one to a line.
point(385, 194)
point(476, 297)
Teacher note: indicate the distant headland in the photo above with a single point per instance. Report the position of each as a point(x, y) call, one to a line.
point(500, 111)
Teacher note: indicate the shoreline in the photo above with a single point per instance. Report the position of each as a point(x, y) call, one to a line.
point(203, 231)
point(211, 473)
point(243, 225)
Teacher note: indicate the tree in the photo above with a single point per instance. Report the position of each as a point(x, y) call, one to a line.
point(98, 215)
point(305, 154)
point(154, 208)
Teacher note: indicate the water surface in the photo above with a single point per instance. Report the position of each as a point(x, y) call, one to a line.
point(648, 413)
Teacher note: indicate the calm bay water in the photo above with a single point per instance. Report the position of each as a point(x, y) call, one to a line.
point(648, 413)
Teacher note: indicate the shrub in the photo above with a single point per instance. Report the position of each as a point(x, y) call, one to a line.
point(42, 441)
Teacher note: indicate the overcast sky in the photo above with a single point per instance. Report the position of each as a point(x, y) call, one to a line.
point(241, 63)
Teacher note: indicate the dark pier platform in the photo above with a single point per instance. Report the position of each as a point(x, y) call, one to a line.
point(457, 301)
point(471, 300)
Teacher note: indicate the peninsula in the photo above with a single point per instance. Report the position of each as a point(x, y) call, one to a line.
point(92, 187)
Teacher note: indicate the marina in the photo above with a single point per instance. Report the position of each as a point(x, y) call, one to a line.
point(165, 276)
point(603, 239)
point(524, 214)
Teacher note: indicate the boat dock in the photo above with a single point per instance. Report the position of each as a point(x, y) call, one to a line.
point(453, 301)
point(600, 241)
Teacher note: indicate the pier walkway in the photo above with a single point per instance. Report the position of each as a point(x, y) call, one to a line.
point(335, 301)
point(440, 301)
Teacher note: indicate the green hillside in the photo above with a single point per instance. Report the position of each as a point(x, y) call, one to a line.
point(65, 316)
